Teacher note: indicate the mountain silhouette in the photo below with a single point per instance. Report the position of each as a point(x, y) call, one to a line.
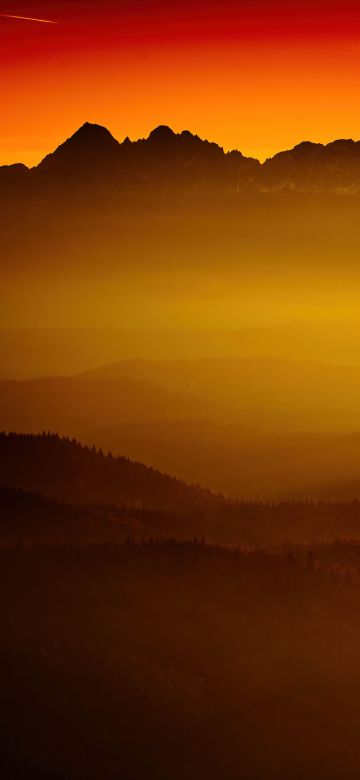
point(130, 214)
point(92, 151)
point(183, 160)
point(91, 147)
point(311, 167)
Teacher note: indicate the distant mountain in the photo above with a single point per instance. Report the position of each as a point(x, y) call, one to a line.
point(195, 163)
point(262, 392)
point(251, 429)
point(71, 405)
point(85, 200)
point(91, 149)
point(27, 353)
point(240, 463)
point(178, 161)
point(64, 470)
point(184, 162)
point(311, 167)
point(138, 233)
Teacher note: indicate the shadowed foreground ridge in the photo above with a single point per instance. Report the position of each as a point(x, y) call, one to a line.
point(147, 653)
point(176, 660)
point(56, 490)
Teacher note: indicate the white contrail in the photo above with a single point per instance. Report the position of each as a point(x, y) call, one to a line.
point(27, 19)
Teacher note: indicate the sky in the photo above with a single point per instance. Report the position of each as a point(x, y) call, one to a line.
point(256, 75)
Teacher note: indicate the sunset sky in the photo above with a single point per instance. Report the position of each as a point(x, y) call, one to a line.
point(258, 75)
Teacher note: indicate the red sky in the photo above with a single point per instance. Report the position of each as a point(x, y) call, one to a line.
point(258, 75)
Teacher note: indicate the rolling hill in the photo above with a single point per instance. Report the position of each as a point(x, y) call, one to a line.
point(265, 393)
point(333, 529)
point(72, 405)
point(64, 470)
point(241, 463)
point(28, 353)
point(30, 518)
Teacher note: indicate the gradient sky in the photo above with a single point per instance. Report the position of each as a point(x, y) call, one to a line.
point(258, 75)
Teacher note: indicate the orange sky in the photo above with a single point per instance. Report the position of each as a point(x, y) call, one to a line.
point(259, 76)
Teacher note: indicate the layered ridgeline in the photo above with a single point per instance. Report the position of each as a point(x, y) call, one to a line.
point(44, 352)
point(259, 394)
point(250, 428)
point(54, 490)
point(78, 404)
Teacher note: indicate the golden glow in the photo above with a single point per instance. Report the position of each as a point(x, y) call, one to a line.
point(257, 89)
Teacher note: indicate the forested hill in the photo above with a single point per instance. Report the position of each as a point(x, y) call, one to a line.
point(92, 496)
point(64, 469)
point(30, 518)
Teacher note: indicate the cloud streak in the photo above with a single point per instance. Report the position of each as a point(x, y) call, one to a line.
point(28, 19)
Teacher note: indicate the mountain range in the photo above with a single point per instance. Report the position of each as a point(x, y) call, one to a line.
point(148, 234)
point(184, 162)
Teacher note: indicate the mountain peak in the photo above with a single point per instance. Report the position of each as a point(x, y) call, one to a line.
point(92, 154)
point(89, 145)
point(93, 131)
point(162, 134)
